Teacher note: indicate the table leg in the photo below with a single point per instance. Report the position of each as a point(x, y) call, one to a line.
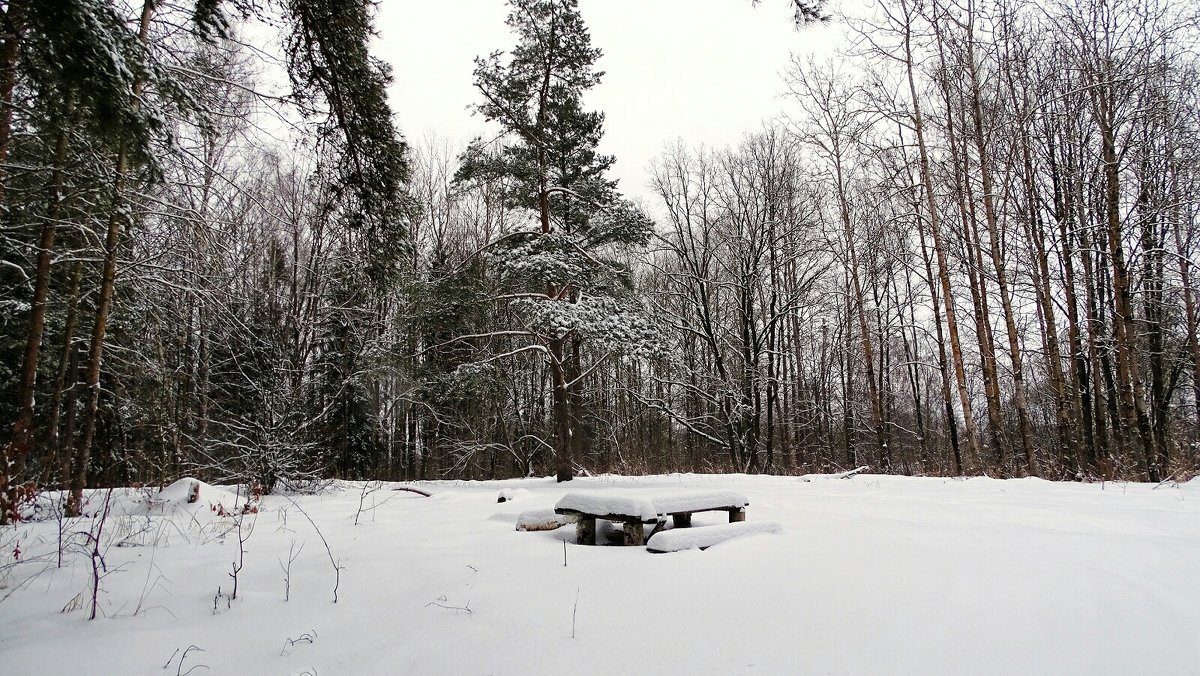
point(585, 530)
point(634, 534)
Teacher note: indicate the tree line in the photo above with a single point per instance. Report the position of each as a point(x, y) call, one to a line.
point(969, 249)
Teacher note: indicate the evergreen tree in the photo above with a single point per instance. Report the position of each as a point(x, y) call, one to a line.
point(560, 273)
point(78, 82)
point(332, 72)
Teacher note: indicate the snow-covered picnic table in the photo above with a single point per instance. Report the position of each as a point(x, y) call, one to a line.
point(587, 507)
point(634, 513)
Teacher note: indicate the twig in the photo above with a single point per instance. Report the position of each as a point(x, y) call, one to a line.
point(362, 497)
point(574, 610)
point(438, 602)
point(184, 657)
point(217, 600)
point(293, 554)
point(98, 562)
point(308, 637)
point(337, 569)
point(243, 535)
point(28, 581)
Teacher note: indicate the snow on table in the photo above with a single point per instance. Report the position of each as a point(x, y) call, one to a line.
point(699, 502)
point(678, 539)
point(610, 507)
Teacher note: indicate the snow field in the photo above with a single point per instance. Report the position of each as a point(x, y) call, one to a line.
point(871, 575)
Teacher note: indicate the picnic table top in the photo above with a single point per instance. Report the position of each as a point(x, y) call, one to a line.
point(605, 505)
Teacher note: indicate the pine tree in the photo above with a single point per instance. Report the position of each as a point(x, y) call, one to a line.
point(559, 275)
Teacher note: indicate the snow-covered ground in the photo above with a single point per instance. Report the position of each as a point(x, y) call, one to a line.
point(871, 575)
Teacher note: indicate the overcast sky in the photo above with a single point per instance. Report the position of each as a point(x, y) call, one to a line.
point(705, 71)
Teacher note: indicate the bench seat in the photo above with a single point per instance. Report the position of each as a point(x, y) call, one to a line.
point(680, 507)
point(678, 539)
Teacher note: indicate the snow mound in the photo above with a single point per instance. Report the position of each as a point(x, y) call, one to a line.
point(605, 505)
point(189, 495)
point(510, 494)
point(678, 539)
point(541, 519)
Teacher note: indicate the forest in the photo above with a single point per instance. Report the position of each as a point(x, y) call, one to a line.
point(969, 249)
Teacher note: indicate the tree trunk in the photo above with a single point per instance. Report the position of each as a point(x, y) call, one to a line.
point(15, 456)
point(10, 52)
point(992, 221)
point(1190, 317)
point(562, 413)
point(1129, 387)
point(116, 218)
point(964, 395)
point(861, 315)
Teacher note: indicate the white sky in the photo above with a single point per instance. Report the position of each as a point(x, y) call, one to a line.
point(705, 71)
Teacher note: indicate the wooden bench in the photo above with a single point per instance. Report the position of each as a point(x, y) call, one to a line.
point(682, 506)
point(585, 508)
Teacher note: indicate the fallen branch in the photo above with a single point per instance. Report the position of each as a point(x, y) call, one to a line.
point(418, 491)
point(1174, 480)
point(437, 602)
point(847, 475)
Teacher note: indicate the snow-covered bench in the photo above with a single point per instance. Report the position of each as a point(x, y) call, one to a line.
point(682, 506)
point(634, 513)
point(678, 539)
point(541, 519)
